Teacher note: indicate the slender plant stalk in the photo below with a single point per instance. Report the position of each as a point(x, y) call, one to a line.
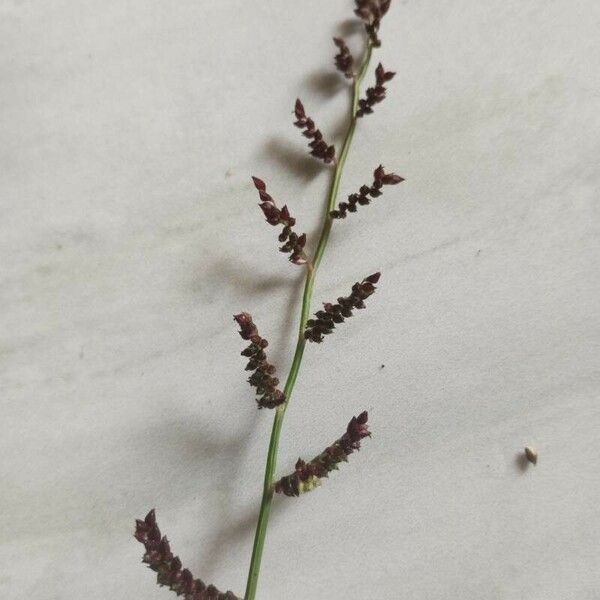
point(268, 491)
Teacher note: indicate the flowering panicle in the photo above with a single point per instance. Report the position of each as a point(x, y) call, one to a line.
point(343, 59)
point(331, 314)
point(380, 178)
point(371, 12)
point(263, 377)
point(294, 243)
point(262, 374)
point(319, 147)
point(307, 476)
point(374, 94)
point(159, 558)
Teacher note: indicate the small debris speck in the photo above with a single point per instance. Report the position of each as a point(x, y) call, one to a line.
point(531, 454)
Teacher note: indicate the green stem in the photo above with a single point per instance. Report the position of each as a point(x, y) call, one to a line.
point(268, 490)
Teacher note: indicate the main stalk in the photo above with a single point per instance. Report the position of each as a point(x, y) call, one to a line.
point(268, 490)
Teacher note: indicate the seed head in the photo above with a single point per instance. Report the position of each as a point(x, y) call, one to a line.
point(307, 475)
point(159, 558)
point(294, 243)
point(366, 193)
point(343, 59)
point(376, 93)
point(333, 314)
point(319, 148)
point(263, 378)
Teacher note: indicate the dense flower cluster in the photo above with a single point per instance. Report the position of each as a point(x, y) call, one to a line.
point(366, 193)
point(374, 94)
point(331, 314)
point(343, 59)
point(307, 476)
point(263, 377)
point(319, 147)
point(159, 558)
point(371, 12)
point(294, 243)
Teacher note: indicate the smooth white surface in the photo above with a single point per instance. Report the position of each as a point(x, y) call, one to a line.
point(130, 235)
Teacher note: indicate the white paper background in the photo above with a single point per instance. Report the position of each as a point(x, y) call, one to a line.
point(130, 235)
